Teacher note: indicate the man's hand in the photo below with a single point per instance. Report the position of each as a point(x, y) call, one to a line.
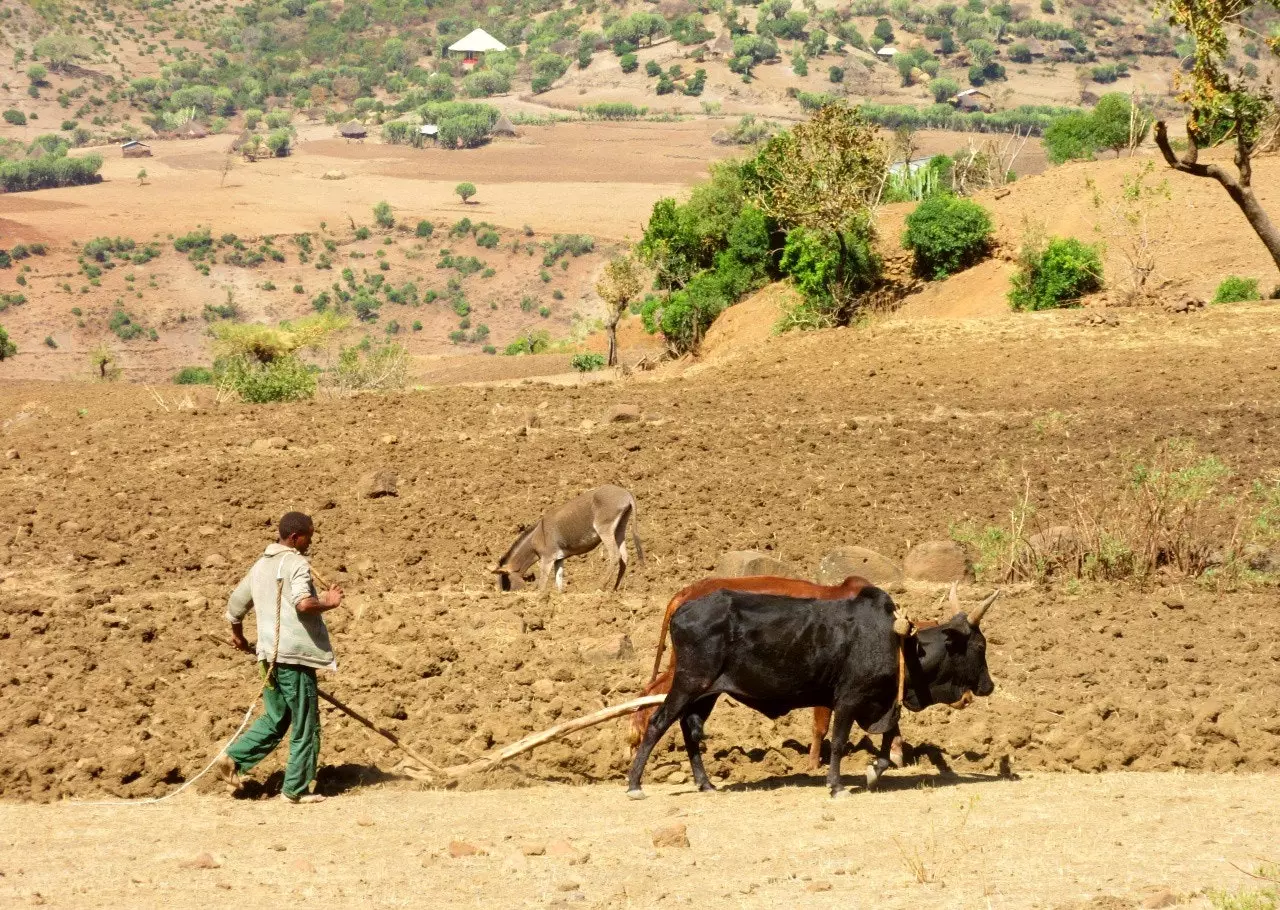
point(331, 598)
point(238, 639)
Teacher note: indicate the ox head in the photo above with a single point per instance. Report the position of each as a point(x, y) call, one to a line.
point(948, 663)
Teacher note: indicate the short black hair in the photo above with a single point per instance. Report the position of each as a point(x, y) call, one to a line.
point(294, 523)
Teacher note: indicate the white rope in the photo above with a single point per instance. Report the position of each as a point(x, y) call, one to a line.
point(159, 799)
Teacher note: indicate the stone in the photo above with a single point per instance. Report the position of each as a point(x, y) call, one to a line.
point(1161, 898)
point(842, 562)
point(12, 455)
point(818, 886)
point(364, 821)
point(623, 413)
point(267, 445)
point(302, 865)
point(532, 420)
point(204, 860)
point(611, 647)
point(562, 849)
point(532, 849)
point(568, 886)
point(461, 848)
point(674, 835)
point(543, 688)
point(334, 175)
point(377, 484)
point(390, 439)
point(939, 561)
point(740, 563)
point(207, 531)
point(213, 561)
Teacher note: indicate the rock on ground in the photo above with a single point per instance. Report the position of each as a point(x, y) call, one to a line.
point(739, 563)
point(940, 561)
point(842, 562)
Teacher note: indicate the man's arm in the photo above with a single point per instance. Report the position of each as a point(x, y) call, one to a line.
point(237, 606)
point(304, 590)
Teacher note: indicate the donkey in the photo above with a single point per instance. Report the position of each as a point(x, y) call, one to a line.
point(575, 528)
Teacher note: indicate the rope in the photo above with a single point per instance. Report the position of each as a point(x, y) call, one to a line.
point(159, 799)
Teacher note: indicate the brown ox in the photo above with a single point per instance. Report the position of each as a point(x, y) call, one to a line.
point(660, 681)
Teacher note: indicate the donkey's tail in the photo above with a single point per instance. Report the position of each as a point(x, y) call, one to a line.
point(635, 532)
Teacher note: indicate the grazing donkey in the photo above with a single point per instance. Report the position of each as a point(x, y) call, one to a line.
point(575, 528)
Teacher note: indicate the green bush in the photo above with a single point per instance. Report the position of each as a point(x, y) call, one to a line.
point(1235, 289)
point(465, 191)
point(193, 376)
point(125, 326)
point(615, 110)
point(487, 239)
point(587, 363)
point(484, 83)
point(947, 234)
point(629, 63)
point(530, 341)
point(17, 118)
point(283, 379)
point(812, 262)
point(1056, 274)
point(383, 217)
point(7, 347)
point(424, 229)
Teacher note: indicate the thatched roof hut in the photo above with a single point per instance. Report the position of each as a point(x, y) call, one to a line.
point(353, 130)
point(135, 149)
point(503, 127)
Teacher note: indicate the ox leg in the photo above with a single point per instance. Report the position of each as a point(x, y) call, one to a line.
point(821, 724)
point(608, 539)
point(842, 723)
point(691, 725)
point(560, 574)
point(667, 714)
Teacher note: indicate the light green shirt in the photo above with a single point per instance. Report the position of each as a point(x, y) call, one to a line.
point(304, 638)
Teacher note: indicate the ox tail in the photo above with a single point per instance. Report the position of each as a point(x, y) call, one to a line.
point(659, 685)
point(635, 532)
point(675, 604)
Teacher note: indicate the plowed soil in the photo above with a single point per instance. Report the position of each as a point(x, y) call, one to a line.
point(125, 526)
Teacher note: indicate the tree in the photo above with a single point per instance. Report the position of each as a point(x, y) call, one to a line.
point(382, 215)
point(826, 176)
point(618, 287)
point(883, 30)
point(1069, 137)
point(1118, 124)
point(36, 72)
point(142, 177)
point(465, 191)
point(7, 347)
point(61, 49)
point(1216, 99)
point(943, 89)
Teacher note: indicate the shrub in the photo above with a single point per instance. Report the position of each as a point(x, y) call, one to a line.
point(943, 88)
point(424, 229)
point(629, 63)
point(193, 376)
point(7, 347)
point(125, 327)
point(382, 215)
point(587, 363)
point(483, 83)
point(17, 118)
point(465, 191)
point(530, 341)
point(947, 234)
point(652, 68)
point(811, 260)
point(1235, 289)
point(283, 379)
point(1056, 274)
point(50, 170)
point(487, 239)
point(615, 110)
point(1071, 137)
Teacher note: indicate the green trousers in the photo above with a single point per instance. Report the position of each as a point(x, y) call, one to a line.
point(291, 702)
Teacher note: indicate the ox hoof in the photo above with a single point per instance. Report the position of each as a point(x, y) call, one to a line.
point(841, 794)
point(707, 788)
point(873, 776)
point(635, 794)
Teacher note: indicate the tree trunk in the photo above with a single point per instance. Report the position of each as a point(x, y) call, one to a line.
point(612, 329)
point(1239, 188)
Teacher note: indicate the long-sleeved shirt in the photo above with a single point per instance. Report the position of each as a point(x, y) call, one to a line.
point(304, 638)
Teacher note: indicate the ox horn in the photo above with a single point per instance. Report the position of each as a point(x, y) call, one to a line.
point(952, 598)
point(976, 616)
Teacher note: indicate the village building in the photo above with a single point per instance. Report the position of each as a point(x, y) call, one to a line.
point(135, 149)
point(972, 99)
point(503, 127)
point(888, 52)
point(475, 45)
point(353, 130)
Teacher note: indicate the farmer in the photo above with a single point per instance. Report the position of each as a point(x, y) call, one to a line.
point(293, 643)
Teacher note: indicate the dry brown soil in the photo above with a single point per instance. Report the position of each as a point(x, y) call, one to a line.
point(1056, 841)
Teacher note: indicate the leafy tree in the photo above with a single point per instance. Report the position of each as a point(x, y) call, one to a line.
point(1069, 137)
point(825, 176)
point(142, 176)
point(883, 31)
point(7, 347)
point(383, 217)
point(1212, 95)
point(37, 73)
point(943, 89)
point(438, 87)
point(947, 235)
point(61, 49)
point(629, 63)
point(618, 287)
point(465, 191)
point(1117, 125)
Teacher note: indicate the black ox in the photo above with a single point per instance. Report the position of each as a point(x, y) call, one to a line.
point(776, 654)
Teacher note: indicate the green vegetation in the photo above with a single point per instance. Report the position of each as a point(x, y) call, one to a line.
point(465, 191)
point(1056, 273)
point(424, 229)
point(48, 170)
point(7, 347)
point(614, 110)
point(15, 117)
point(1234, 289)
point(193, 376)
point(947, 234)
point(383, 217)
point(530, 341)
point(1111, 125)
point(124, 326)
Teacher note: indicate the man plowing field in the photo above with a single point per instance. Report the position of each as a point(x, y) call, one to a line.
point(293, 642)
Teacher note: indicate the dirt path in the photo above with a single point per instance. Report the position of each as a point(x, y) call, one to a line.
point(1060, 841)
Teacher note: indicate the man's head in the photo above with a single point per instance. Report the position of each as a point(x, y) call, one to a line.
point(296, 530)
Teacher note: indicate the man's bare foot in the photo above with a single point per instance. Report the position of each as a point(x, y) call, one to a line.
point(225, 766)
point(304, 798)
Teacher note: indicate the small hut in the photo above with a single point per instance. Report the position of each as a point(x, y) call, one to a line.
point(135, 149)
point(1066, 50)
point(722, 47)
point(1034, 48)
point(888, 52)
point(474, 46)
point(353, 130)
point(972, 99)
point(503, 127)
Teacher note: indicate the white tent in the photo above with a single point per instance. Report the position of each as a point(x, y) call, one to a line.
point(478, 42)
